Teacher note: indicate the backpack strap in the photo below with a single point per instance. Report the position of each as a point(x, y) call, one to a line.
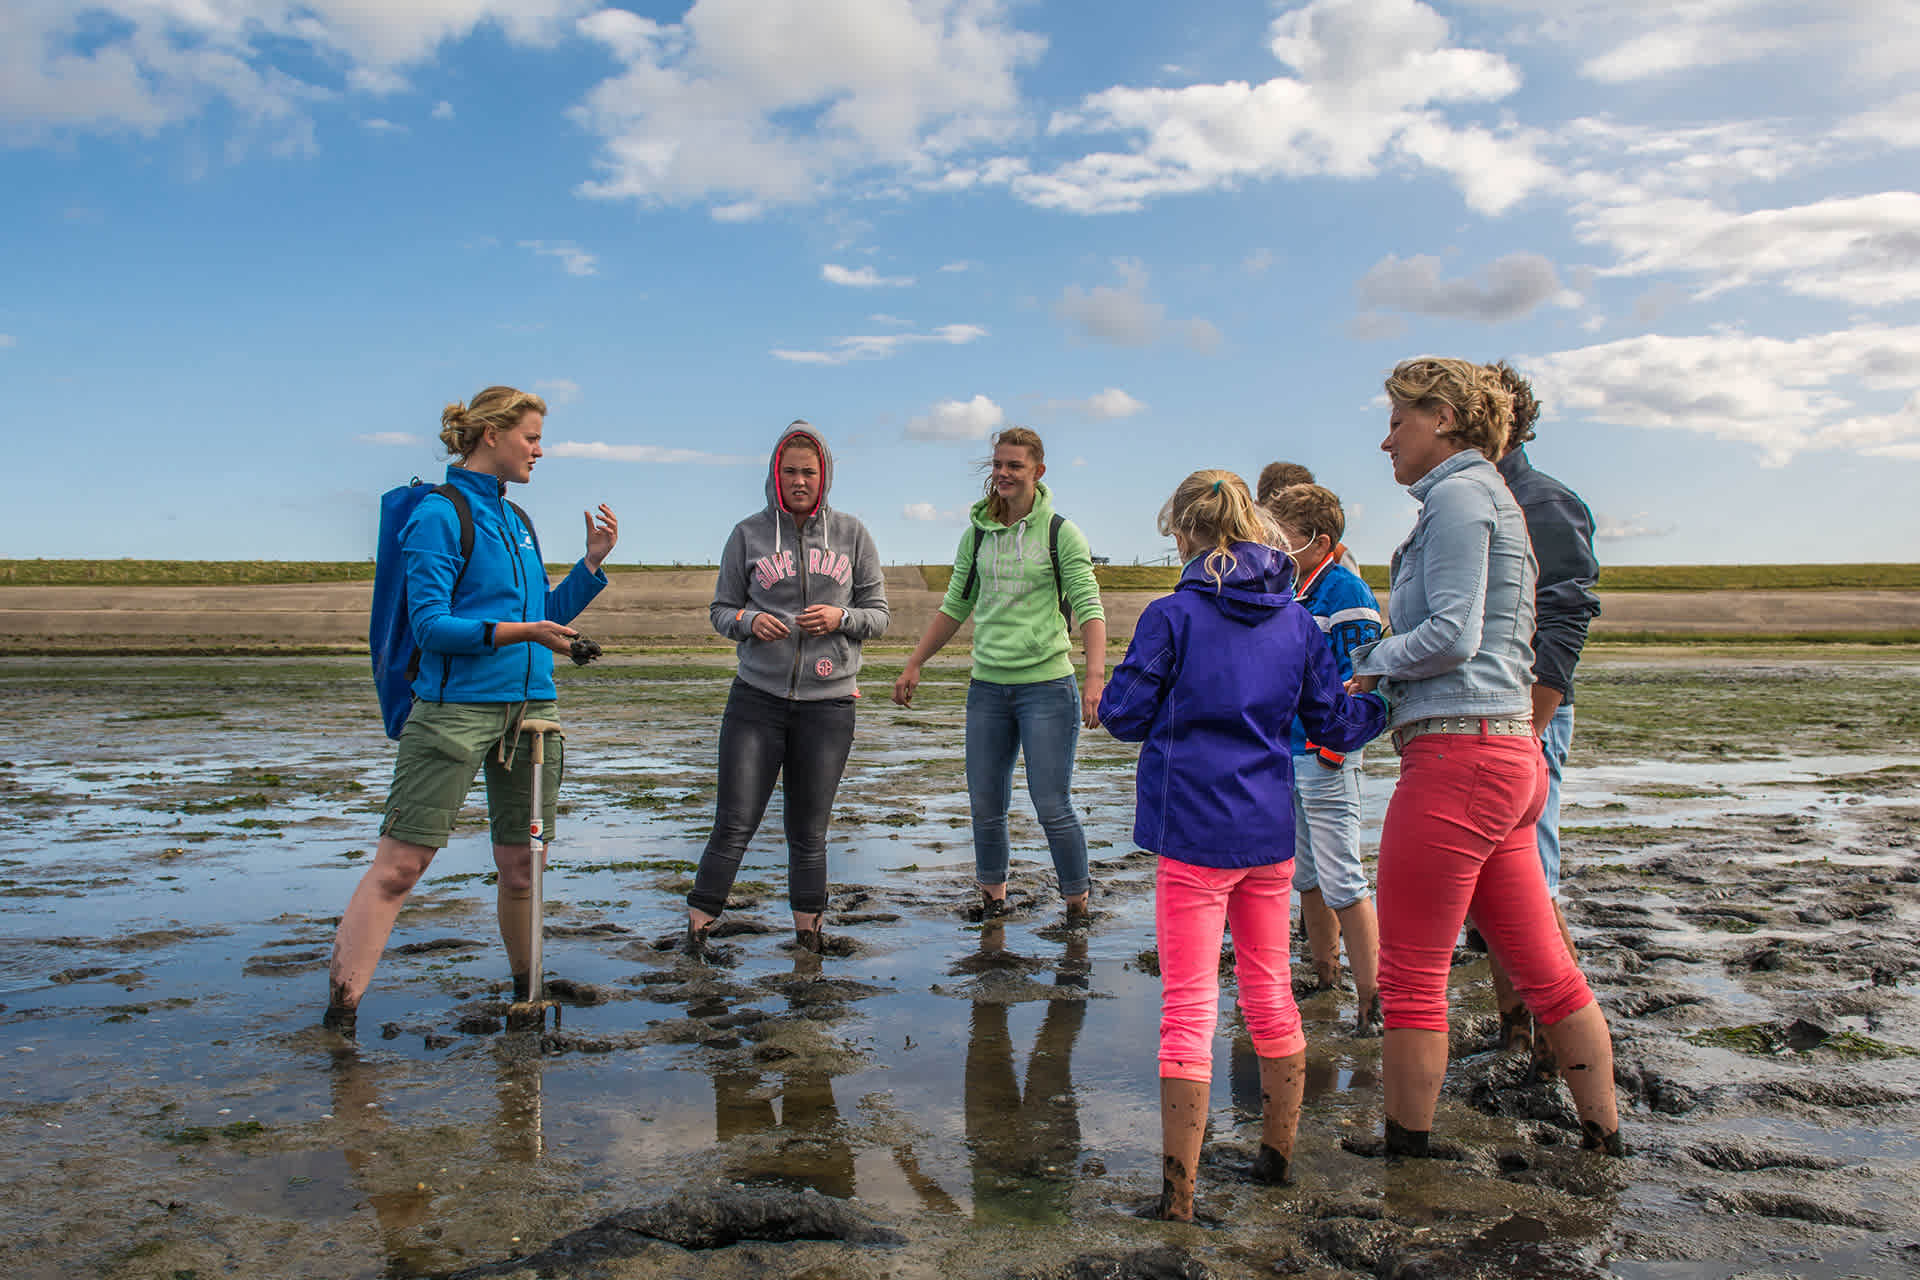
point(973, 565)
point(1053, 554)
point(464, 513)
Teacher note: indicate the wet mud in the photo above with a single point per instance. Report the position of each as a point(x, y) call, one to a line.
point(938, 1095)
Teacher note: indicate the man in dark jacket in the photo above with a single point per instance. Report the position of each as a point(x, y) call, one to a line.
point(1561, 529)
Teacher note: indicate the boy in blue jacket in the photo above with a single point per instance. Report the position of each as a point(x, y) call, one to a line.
point(1334, 902)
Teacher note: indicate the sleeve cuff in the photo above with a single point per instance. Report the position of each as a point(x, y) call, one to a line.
point(486, 634)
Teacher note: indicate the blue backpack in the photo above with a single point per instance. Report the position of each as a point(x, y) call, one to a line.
point(396, 659)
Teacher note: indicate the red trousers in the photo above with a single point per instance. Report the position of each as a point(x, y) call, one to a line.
point(1459, 838)
point(1192, 906)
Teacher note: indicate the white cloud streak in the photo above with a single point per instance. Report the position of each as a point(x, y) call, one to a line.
point(881, 346)
point(1781, 396)
point(575, 260)
point(707, 108)
point(600, 451)
point(558, 390)
point(927, 512)
point(971, 419)
point(1369, 80)
point(1102, 405)
point(861, 277)
point(1617, 529)
point(1512, 286)
point(392, 438)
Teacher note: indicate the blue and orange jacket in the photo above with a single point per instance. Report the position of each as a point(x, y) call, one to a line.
point(1210, 685)
point(1349, 615)
point(504, 582)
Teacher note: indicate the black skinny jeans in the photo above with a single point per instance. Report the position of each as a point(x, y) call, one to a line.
point(761, 737)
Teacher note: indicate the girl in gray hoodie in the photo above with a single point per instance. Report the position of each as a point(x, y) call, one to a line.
point(800, 587)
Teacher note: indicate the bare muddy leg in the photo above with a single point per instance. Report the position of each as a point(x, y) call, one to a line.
point(368, 920)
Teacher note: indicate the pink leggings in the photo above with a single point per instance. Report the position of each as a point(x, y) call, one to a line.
point(1459, 837)
point(1190, 906)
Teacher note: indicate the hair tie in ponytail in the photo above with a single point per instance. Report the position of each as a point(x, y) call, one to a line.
point(1216, 486)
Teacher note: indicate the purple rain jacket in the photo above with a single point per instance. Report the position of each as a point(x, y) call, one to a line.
point(1210, 686)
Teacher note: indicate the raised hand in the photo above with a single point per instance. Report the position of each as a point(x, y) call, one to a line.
point(601, 535)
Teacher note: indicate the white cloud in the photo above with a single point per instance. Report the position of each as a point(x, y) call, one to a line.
point(1369, 79)
point(602, 452)
point(973, 419)
point(1863, 250)
point(1782, 396)
point(376, 124)
point(881, 346)
point(1615, 529)
point(577, 261)
point(388, 438)
point(558, 390)
point(1120, 314)
point(1630, 40)
point(1512, 286)
point(861, 277)
point(443, 110)
point(140, 66)
point(1258, 263)
point(1105, 405)
point(1203, 336)
point(962, 265)
point(926, 511)
point(755, 103)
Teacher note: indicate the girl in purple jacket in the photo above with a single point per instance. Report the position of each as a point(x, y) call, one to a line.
point(1211, 683)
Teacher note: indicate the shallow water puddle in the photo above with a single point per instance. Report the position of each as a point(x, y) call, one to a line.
point(161, 976)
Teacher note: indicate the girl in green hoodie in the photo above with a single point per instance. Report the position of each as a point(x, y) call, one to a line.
point(1019, 572)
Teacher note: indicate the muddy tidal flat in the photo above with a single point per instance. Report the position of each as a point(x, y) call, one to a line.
point(936, 1098)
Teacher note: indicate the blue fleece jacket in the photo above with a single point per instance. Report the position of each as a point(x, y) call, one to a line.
point(504, 582)
point(1210, 685)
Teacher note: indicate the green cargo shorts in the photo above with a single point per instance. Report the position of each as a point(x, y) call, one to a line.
point(442, 746)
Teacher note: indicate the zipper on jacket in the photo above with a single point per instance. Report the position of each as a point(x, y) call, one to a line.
point(799, 636)
point(520, 582)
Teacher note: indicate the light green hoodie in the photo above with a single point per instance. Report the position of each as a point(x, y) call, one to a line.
point(1019, 636)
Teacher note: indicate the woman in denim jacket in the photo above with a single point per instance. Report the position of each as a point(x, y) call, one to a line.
point(1459, 832)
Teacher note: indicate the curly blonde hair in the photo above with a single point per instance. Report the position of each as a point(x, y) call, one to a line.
point(1526, 409)
point(464, 426)
point(1482, 407)
point(1215, 509)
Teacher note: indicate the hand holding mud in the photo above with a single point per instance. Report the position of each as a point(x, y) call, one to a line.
point(583, 650)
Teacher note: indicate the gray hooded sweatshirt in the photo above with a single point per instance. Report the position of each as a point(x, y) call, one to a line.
point(778, 563)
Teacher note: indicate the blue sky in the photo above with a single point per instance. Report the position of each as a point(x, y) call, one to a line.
point(248, 248)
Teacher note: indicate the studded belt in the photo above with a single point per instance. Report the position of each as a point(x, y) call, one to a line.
point(1509, 726)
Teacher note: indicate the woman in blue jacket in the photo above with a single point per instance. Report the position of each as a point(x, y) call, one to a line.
point(1210, 686)
point(487, 627)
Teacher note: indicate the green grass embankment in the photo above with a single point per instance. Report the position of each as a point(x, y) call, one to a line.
point(1112, 577)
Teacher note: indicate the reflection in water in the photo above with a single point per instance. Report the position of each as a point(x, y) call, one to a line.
point(1325, 1077)
point(1025, 1142)
point(811, 1148)
point(379, 1152)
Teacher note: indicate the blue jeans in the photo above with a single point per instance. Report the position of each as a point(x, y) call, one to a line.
point(1326, 830)
point(1554, 745)
point(1043, 720)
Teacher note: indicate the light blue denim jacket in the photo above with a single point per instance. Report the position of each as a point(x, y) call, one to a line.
point(1461, 606)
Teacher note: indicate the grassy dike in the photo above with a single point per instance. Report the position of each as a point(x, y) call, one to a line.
point(1112, 577)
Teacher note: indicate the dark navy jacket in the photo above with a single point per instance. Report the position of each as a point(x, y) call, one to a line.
point(504, 582)
point(1561, 530)
point(1210, 685)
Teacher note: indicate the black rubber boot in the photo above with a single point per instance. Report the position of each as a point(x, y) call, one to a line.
point(1407, 1142)
point(1270, 1167)
point(1593, 1138)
